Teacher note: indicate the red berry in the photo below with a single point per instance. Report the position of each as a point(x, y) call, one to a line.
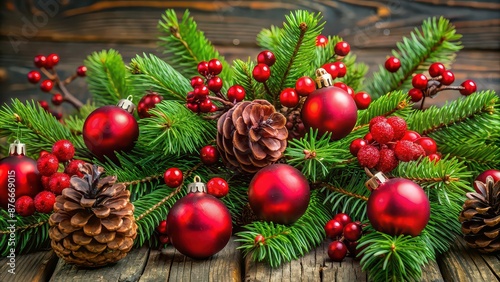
point(392, 64)
point(25, 206)
point(47, 164)
point(387, 161)
point(351, 247)
point(343, 218)
point(197, 81)
point(356, 144)
point(236, 93)
point(333, 229)
point(368, 156)
point(203, 68)
point(399, 126)
point(63, 150)
point(162, 227)
point(217, 187)
point(436, 69)
point(332, 69)
point(266, 57)
point(58, 182)
point(419, 81)
point(42, 153)
point(382, 132)
point(376, 120)
point(214, 108)
point(341, 85)
point(46, 85)
point(173, 177)
point(45, 182)
point(305, 86)
point(81, 71)
point(215, 84)
point(415, 94)
point(428, 144)
point(206, 106)
point(73, 168)
point(34, 76)
point(407, 151)
point(261, 72)
point(214, 67)
point(350, 91)
point(434, 157)
point(52, 60)
point(44, 105)
point(57, 99)
point(368, 138)
point(44, 202)
point(411, 135)
point(39, 61)
point(362, 100)
point(469, 87)
point(193, 106)
point(147, 103)
point(352, 231)
point(321, 40)
point(342, 48)
point(259, 240)
point(164, 239)
point(201, 92)
point(337, 251)
point(209, 155)
point(289, 98)
point(447, 77)
point(341, 67)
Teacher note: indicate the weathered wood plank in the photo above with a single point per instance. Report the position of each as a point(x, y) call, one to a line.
point(128, 269)
point(432, 273)
point(170, 265)
point(35, 267)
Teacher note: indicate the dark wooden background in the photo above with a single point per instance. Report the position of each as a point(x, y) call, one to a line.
point(73, 29)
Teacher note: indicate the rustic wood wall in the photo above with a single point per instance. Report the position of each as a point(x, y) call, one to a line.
point(74, 29)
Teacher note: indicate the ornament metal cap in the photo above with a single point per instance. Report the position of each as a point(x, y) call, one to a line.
point(17, 148)
point(323, 78)
point(197, 186)
point(374, 182)
point(127, 104)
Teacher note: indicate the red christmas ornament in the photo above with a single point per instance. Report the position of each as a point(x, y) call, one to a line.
point(342, 48)
point(397, 206)
point(329, 109)
point(18, 176)
point(279, 193)
point(57, 99)
point(46, 85)
point(111, 128)
point(73, 168)
point(146, 103)
point(305, 86)
point(214, 67)
point(199, 225)
point(469, 87)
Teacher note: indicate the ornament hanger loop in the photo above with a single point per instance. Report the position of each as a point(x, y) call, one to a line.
point(130, 97)
point(197, 186)
point(197, 178)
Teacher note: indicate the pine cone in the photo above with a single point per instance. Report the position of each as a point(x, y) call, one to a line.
point(295, 126)
point(93, 221)
point(480, 217)
point(251, 135)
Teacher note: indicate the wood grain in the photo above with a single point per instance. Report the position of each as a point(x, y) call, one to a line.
point(35, 267)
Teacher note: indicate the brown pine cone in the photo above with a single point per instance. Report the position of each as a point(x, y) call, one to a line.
point(251, 135)
point(295, 126)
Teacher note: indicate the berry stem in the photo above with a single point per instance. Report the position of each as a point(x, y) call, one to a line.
point(222, 100)
point(68, 97)
point(422, 103)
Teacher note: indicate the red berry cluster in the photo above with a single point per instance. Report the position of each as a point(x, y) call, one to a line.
point(148, 102)
point(163, 232)
point(345, 234)
point(262, 71)
point(389, 142)
point(290, 97)
point(440, 80)
point(217, 187)
point(362, 98)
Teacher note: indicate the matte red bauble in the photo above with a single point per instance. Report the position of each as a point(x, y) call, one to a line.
point(111, 128)
point(279, 193)
point(329, 108)
point(397, 206)
point(18, 176)
point(199, 225)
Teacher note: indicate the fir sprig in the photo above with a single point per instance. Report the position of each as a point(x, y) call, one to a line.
point(31, 233)
point(394, 103)
point(243, 76)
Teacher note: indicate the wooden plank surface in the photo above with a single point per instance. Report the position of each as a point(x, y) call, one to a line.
point(34, 267)
point(170, 265)
point(128, 269)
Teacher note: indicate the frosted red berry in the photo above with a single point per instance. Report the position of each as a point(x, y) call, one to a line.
point(392, 64)
point(214, 67)
point(352, 231)
point(44, 202)
point(197, 81)
point(173, 177)
point(305, 86)
point(436, 69)
point(337, 251)
point(34, 76)
point(47, 164)
point(356, 144)
point(410, 135)
point(407, 151)
point(428, 144)
point(43, 153)
point(399, 125)
point(419, 81)
point(203, 68)
point(447, 77)
point(81, 71)
point(362, 100)
point(343, 218)
point(73, 168)
point(45, 182)
point(217, 187)
point(382, 132)
point(321, 40)
point(341, 67)
point(261, 72)
point(289, 98)
point(57, 99)
point(332, 69)
point(52, 60)
point(25, 206)
point(39, 61)
point(58, 182)
point(415, 94)
point(368, 156)
point(342, 48)
point(63, 150)
point(236, 93)
point(376, 120)
point(209, 155)
point(162, 227)
point(333, 229)
point(469, 87)
point(387, 161)
point(215, 84)
point(266, 57)
point(46, 85)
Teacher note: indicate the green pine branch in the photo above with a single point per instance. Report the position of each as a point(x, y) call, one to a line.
point(186, 46)
point(284, 243)
point(395, 103)
point(436, 41)
point(107, 77)
point(31, 232)
point(355, 74)
point(326, 54)
point(243, 76)
point(269, 38)
point(76, 121)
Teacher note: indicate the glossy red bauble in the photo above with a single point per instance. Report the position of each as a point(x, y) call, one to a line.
point(411, 135)
point(162, 227)
point(173, 177)
point(197, 81)
point(337, 251)
point(34, 76)
point(398, 206)
point(352, 231)
point(266, 57)
point(356, 144)
point(330, 109)
point(215, 84)
point(392, 64)
point(109, 129)
point(261, 72)
point(469, 87)
point(279, 193)
point(52, 60)
point(199, 225)
point(206, 106)
point(25, 206)
point(289, 98)
point(147, 103)
point(343, 218)
point(305, 86)
point(482, 177)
